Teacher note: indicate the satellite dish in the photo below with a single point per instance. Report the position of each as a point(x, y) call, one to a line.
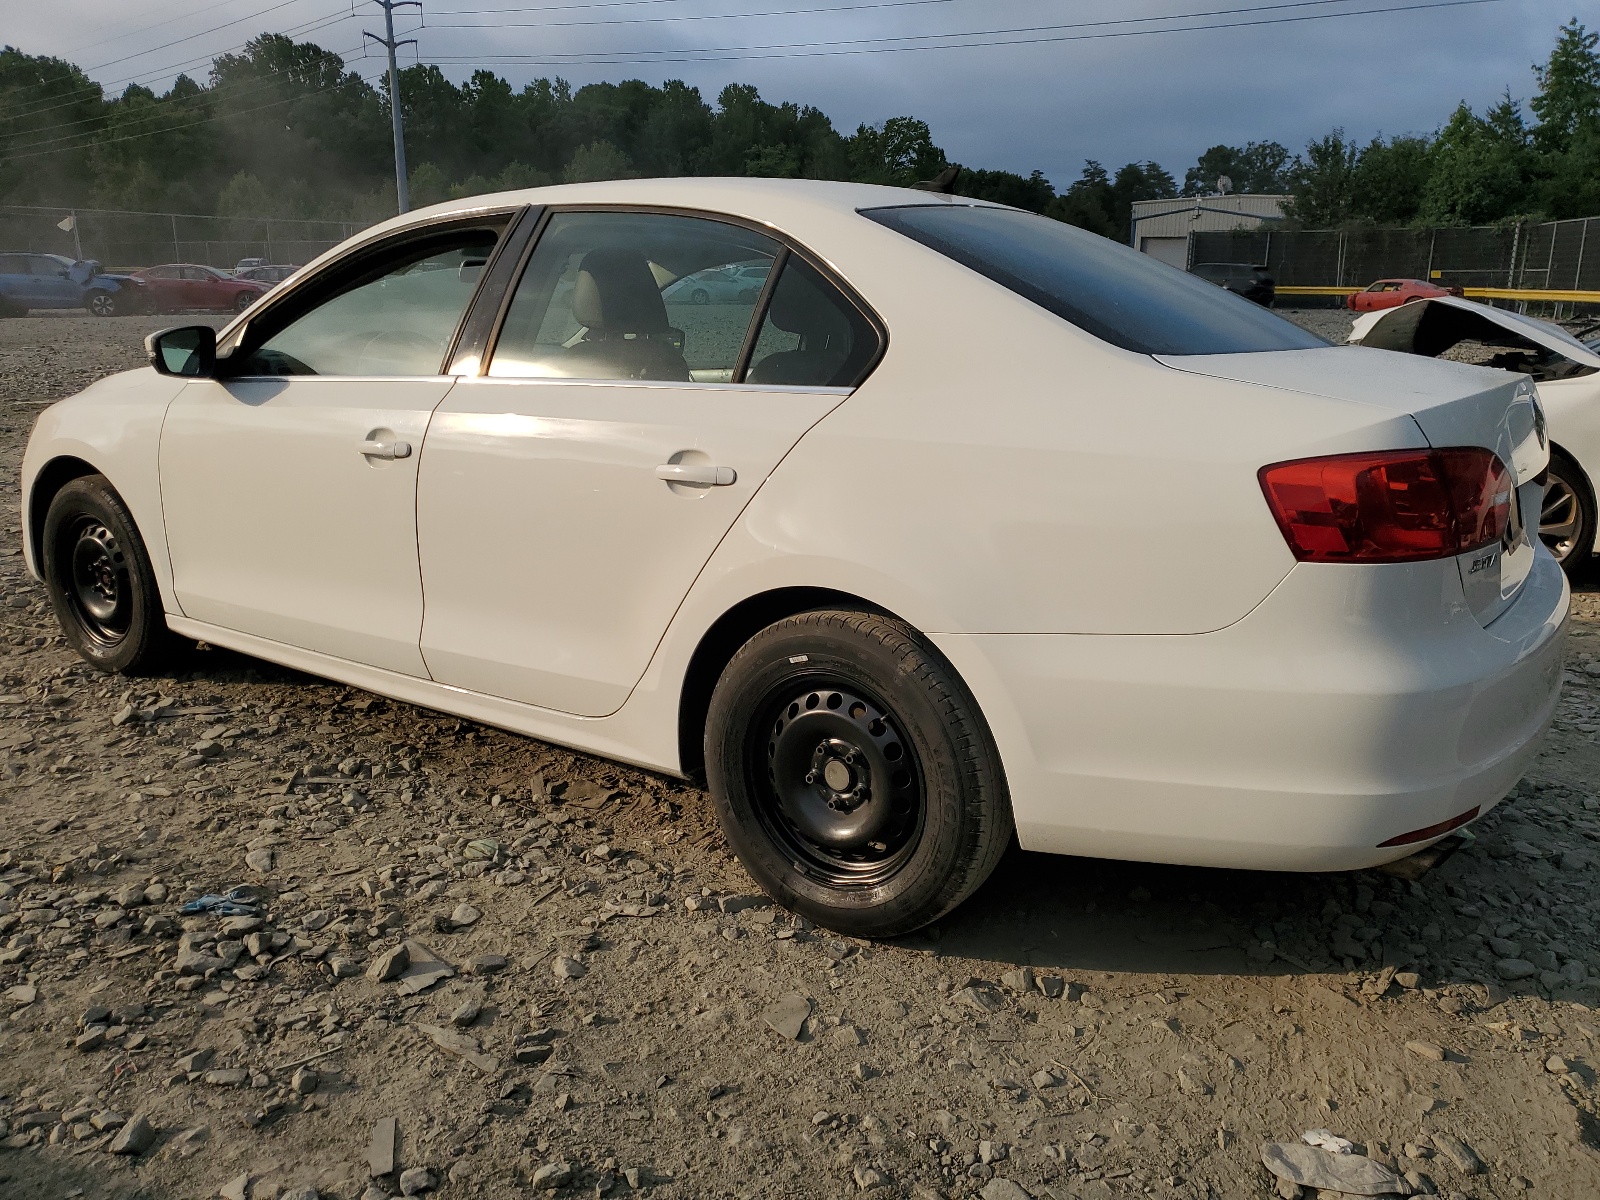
point(1224, 185)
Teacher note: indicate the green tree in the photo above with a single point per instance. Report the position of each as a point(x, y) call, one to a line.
point(597, 160)
point(1569, 89)
point(1322, 183)
point(1260, 168)
point(1482, 167)
point(1032, 192)
point(1387, 182)
point(244, 196)
point(427, 185)
point(899, 151)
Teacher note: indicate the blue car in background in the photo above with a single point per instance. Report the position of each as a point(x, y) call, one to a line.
point(29, 280)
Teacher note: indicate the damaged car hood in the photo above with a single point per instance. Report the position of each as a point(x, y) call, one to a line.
point(1430, 327)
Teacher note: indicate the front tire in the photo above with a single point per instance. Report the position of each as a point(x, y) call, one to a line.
point(102, 304)
point(853, 774)
point(1567, 515)
point(100, 582)
point(244, 300)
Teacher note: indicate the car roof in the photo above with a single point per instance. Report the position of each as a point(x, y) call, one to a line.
point(766, 200)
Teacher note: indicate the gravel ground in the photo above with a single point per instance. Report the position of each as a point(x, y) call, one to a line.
point(484, 965)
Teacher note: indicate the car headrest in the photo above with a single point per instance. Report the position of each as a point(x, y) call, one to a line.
point(798, 307)
point(616, 293)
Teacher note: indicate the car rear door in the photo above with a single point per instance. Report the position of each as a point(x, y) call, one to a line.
point(163, 288)
point(289, 485)
point(198, 287)
point(574, 488)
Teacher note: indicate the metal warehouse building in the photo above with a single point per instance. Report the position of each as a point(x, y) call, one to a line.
point(1161, 228)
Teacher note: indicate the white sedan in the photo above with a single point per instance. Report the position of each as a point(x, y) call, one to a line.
point(968, 525)
point(1566, 372)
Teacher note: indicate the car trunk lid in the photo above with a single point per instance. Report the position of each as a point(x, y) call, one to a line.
point(1453, 404)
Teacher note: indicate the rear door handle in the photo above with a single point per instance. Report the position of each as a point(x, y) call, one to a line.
point(388, 450)
point(697, 473)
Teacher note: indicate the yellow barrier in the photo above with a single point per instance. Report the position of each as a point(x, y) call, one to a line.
point(1553, 294)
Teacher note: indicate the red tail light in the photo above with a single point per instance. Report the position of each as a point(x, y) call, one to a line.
point(1390, 506)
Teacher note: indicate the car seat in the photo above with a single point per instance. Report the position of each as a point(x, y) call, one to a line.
point(616, 299)
point(799, 308)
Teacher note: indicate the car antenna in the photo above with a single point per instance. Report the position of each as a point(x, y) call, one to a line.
point(944, 182)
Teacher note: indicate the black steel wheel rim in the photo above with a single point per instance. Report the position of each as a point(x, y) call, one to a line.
point(837, 783)
point(98, 585)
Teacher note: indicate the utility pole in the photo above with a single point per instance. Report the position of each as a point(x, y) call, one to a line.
point(389, 44)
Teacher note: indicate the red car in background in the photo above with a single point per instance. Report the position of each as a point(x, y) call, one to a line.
point(174, 286)
point(1391, 293)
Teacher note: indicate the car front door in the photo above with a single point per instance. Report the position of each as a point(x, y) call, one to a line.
point(573, 489)
point(289, 482)
point(53, 286)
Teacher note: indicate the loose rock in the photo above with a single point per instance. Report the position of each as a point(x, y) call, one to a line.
point(133, 1138)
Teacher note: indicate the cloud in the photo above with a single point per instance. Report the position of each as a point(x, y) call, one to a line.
point(1045, 106)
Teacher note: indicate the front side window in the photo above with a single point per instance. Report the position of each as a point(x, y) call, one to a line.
point(645, 296)
point(1108, 290)
point(163, 272)
point(388, 314)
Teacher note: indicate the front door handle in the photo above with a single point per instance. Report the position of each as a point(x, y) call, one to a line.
point(704, 474)
point(387, 450)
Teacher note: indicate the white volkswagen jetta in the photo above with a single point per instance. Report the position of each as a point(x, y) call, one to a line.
point(968, 521)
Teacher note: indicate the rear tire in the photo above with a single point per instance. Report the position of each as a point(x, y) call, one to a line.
point(853, 773)
point(1567, 514)
point(100, 581)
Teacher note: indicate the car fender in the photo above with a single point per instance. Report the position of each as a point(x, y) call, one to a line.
point(114, 427)
point(1572, 408)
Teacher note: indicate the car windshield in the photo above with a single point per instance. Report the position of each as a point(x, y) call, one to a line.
point(1111, 291)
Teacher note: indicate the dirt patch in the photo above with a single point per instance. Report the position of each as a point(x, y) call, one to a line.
point(591, 996)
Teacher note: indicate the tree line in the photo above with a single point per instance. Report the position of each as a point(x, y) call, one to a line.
point(284, 128)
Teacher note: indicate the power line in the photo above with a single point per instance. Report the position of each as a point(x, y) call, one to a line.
point(861, 46)
point(88, 91)
point(187, 16)
point(548, 8)
point(157, 116)
point(880, 4)
point(191, 124)
point(191, 37)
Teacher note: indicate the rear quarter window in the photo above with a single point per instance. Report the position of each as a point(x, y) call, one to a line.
point(1108, 290)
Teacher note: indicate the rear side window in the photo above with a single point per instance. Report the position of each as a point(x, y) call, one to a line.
point(1111, 291)
point(812, 336)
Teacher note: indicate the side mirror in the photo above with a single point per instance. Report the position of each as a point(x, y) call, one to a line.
point(189, 351)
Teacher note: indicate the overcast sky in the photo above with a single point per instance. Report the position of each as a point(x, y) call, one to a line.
point(1046, 104)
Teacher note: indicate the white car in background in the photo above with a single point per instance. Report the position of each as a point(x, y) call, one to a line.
point(1566, 371)
point(968, 522)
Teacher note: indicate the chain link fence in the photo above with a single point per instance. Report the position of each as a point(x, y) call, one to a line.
point(1552, 255)
point(120, 239)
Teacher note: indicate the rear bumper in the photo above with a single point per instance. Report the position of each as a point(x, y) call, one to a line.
point(1353, 705)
